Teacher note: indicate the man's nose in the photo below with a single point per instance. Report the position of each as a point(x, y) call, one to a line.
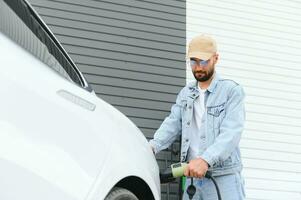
point(200, 66)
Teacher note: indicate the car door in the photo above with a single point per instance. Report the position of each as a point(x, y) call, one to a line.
point(51, 146)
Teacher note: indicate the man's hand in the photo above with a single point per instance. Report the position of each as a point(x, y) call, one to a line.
point(196, 168)
point(153, 149)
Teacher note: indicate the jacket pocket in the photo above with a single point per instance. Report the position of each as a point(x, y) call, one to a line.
point(226, 164)
point(216, 110)
point(215, 115)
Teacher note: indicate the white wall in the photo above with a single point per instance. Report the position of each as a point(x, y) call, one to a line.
point(260, 47)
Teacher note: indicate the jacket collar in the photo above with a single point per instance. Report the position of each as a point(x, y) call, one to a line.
point(214, 82)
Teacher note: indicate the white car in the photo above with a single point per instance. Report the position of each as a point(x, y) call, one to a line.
point(58, 140)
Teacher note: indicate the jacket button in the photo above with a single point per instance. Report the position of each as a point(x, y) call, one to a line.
point(188, 123)
point(186, 140)
point(190, 107)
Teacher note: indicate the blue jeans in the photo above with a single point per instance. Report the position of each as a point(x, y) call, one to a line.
point(231, 188)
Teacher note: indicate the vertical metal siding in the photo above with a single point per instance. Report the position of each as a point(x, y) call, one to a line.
point(131, 52)
point(260, 47)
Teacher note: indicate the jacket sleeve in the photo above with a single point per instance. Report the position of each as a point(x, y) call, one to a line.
point(231, 129)
point(170, 128)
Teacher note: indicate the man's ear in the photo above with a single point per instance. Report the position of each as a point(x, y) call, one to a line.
point(216, 58)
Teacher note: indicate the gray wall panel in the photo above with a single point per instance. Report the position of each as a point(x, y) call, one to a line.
point(123, 72)
point(122, 45)
point(145, 123)
point(134, 66)
point(125, 16)
point(125, 91)
point(104, 20)
point(171, 3)
point(132, 79)
point(131, 9)
point(102, 28)
point(131, 52)
point(64, 30)
point(138, 103)
point(123, 55)
point(142, 113)
point(131, 84)
point(152, 7)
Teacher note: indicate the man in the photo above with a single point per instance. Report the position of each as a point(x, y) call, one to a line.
point(209, 114)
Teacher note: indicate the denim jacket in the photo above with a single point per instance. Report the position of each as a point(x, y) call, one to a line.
point(223, 123)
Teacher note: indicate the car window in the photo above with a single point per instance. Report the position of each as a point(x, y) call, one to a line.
point(21, 23)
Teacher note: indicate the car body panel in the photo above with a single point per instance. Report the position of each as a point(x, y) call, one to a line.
point(60, 141)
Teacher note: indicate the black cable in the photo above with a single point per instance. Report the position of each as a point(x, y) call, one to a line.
point(209, 175)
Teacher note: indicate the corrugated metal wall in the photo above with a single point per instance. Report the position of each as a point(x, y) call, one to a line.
point(131, 52)
point(260, 47)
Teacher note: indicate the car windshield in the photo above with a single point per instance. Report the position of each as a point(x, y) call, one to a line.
point(21, 23)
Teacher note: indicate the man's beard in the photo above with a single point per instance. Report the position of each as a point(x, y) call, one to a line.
point(205, 75)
